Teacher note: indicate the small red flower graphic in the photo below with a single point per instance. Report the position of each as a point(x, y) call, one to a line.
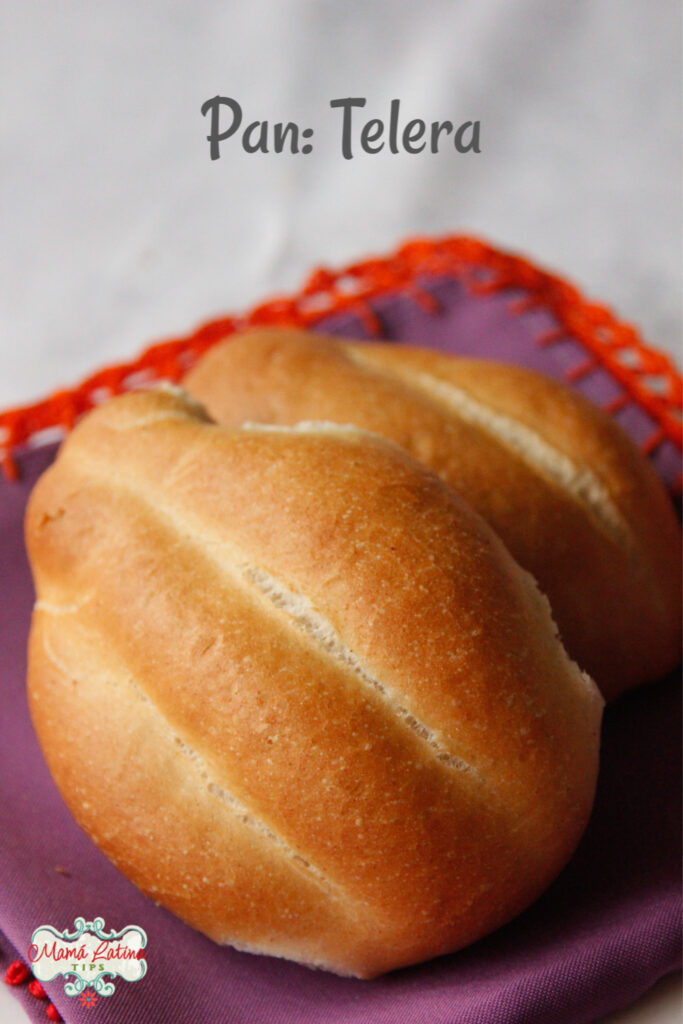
point(88, 998)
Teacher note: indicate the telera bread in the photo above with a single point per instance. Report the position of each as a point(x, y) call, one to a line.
point(566, 490)
point(297, 690)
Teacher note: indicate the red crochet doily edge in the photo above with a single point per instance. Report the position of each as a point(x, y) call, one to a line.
point(610, 343)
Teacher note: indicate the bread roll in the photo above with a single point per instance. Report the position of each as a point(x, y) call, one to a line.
point(566, 490)
point(297, 690)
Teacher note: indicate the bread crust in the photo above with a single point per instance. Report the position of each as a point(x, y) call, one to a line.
point(566, 490)
point(336, 721)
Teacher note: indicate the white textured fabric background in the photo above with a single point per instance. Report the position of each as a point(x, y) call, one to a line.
point(116, 228)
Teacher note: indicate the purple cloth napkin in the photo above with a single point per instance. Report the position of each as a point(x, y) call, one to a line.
point(604, 932)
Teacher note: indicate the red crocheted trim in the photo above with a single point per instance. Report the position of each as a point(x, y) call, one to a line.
point(18, 973)
point(647, 377)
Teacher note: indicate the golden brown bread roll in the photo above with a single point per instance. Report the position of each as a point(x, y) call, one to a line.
point(566, 490)
point(297, 690)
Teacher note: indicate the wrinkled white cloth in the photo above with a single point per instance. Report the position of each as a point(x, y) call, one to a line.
point(117, 228)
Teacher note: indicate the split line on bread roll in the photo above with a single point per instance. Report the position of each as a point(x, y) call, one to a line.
point(63, 609)
point(578, 482)
point(289, 606)
point(316, 428)
point(245, 815)
point(315, 625)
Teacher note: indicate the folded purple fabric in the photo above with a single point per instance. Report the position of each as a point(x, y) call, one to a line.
point(606, 930)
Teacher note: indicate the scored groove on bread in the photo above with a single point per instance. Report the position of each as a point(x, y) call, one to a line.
point(62, 609)
point(579, 483)
point(245, 815)
point(322, 631)
point(320, 427)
